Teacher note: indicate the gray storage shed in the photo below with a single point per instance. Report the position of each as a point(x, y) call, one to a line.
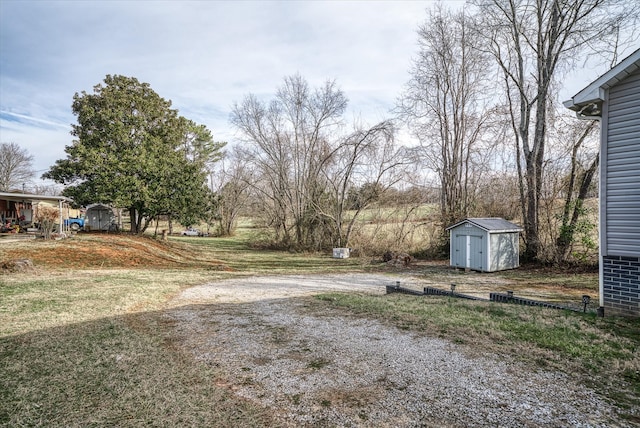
point(98, 217)
point(485, 244)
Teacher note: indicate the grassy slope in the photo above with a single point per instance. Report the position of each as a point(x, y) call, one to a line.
point(82, 337)
point(85, 343)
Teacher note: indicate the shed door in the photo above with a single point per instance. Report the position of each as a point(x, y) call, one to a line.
point(468, 251)
point(475, 252)
point(460, 251)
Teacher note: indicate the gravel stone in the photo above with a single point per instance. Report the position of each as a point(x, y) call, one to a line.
point(328, 369)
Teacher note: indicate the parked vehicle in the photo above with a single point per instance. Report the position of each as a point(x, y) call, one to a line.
point(74, 223)
point(192, 231)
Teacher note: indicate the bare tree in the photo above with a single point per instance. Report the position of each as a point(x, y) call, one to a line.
point(230, 184)
point(288, 142)
point(533, 42)
point(303, 169)
point(444, 105)
point(46, 189)
point(367, 159)
point(16, 167)
point(583, 167)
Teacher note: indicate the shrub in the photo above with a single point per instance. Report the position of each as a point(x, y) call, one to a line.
point(47, 217)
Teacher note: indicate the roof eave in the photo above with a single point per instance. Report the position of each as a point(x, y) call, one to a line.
point(469, 220)
point(594, 93)
point(585, 98)
point(30, 197)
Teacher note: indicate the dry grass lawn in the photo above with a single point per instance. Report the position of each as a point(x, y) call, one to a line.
point(83, 342)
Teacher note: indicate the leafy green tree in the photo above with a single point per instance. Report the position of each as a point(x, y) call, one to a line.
point(186, 200)
point(131, 150)
point(199, 146)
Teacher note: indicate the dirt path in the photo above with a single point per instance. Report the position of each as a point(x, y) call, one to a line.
point(322, 368)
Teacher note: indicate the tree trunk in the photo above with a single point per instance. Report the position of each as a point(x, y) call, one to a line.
point(133, 219)
point(568, 228)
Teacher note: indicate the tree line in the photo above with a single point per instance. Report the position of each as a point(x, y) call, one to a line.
point(480, 100)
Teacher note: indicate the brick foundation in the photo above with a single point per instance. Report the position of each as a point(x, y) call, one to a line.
point(621, 285)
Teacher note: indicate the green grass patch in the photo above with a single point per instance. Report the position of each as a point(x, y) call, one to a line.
point(34, 301)
point(89, 348)
point(106, 373)
point(238, 254)
point(395, 214)
point(542, 277)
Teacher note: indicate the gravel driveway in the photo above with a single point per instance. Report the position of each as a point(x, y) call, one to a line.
point(325, 368)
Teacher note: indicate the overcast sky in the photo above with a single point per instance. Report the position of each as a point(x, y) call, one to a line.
point(203, 56)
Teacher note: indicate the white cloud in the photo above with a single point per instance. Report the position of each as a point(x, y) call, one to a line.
point(201, 55)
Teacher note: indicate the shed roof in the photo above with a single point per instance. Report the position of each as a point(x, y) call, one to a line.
point(490, 224)
point(99, 207)
point(594, 93)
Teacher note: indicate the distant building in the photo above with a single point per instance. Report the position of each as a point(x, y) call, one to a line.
point(614, 99)
point(22, 208)
point(99, 217)
point(485, 244)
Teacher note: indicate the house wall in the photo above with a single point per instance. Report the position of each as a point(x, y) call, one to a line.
point(504, 251)
point(620, 197)
point(622, 175)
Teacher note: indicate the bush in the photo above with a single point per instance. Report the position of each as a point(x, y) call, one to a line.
point(47, 217)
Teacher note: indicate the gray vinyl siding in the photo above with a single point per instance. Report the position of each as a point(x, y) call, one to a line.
point(621, 172)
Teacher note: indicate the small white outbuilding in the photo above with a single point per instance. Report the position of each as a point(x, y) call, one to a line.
point(485, 244)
